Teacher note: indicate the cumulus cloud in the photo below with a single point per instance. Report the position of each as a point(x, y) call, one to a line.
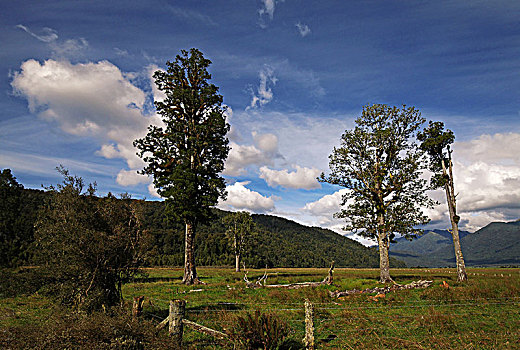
point(306, 140)
point(264, 94)
point(303, 29)
point(241, 198)
point(487, 179)
point(321, 213)
point(494, 149)
point(90, 99)
point(131, 178)
point(301, 178)
point(263, 152)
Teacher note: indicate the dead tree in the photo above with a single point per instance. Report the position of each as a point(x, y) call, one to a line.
point(260, 283)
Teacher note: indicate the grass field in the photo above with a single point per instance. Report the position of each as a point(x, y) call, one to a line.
point(483, 313)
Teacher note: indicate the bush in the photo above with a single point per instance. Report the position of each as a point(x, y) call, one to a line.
point(20, 281)
point(95, 331)
point(89, 245)
point(258, 331)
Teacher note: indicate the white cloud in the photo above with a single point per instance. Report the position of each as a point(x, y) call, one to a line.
point(241, 157)
point(153, 191)
point(496, 149)
point(267, 10)
point(90, 99)
point(306, 140)
point(69, 48)
point(303, 29)
point(48, 34)
point(487, 182)
point(108, 151)
point(301, 178)
point(328, 204)
point(264, 94)
point(241, 198)
point(131, 178)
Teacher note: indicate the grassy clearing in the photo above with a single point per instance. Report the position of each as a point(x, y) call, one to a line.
point(483, 313)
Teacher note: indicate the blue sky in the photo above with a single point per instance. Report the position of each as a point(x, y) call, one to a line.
point(76, 89)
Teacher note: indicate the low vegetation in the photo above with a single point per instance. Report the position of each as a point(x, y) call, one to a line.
point(479, 314)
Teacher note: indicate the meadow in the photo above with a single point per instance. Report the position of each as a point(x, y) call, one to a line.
point(482, 313)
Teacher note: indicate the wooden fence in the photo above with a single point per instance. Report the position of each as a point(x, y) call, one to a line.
point(176, 321)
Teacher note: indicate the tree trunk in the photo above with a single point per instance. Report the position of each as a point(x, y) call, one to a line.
point(237, 262)
point(384, 261)
point(454, 218)
point(190, 271)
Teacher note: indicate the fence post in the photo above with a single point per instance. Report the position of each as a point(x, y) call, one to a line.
point(176, 315)
point(308, 341)
point(137, 307)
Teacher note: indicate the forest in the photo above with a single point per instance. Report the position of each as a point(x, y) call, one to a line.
point(276, 242)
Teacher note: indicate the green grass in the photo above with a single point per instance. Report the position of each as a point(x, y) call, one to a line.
point(482, 313)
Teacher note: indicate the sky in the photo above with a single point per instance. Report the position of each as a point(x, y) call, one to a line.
point(76, 89)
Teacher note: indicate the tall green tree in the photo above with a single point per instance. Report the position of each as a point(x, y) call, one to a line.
point(239, 230)
point(88, 245)
point(187, 154)
point(436, 142)
point(380, 165)
point(10, 207)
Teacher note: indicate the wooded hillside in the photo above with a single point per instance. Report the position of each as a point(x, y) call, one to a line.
point(276, 242)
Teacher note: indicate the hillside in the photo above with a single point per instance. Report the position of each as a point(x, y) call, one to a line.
point(496, 244)
point(277, 242)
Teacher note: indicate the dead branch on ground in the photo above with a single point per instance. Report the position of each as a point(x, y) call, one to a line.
point(383, 290)
point(260, 283)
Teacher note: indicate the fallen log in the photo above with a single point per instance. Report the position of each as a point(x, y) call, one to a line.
point(383, 290)
point(205, 330)
point(260, 283)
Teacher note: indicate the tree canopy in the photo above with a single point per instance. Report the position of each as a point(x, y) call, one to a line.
point(186, 154)
point(380, 165)
point(88, 245)
point(436, 142)
point(239, 231)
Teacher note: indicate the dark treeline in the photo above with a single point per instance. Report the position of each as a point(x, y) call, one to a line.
point(276, 242)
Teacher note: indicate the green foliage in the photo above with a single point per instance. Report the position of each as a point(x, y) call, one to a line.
point(11, 234)
point(276, 241)
point(434, 141)
point(258, 331)
point(239, 232)
point(380, 165)
point(89, 245)
point(186, 156)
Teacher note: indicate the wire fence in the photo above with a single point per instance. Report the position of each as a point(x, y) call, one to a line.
point(408, 320)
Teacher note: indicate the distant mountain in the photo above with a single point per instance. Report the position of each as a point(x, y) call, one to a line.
point(496, 244)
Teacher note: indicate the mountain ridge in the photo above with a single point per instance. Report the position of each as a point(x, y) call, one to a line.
point(496, 244)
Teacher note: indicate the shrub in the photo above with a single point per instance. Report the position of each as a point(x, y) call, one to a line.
point(95, 331)
point(89, 245)
point(258, 331)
